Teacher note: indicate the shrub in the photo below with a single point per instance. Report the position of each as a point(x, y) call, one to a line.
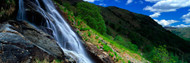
point(83, 29)
point(110, 54)
point(129, 61)
point(77, 31)
point(91, 14)
point(99, 41)
point(98, 47)
point(107, 48)
point(86, 39)
point(89, 34)
point(96, 37)
point(161, 55)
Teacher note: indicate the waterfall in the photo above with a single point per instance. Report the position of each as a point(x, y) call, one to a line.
point(66, 38)
point(21, 11)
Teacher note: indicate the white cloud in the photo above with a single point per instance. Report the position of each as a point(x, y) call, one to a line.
point(155, 15)
point(102, 4)
point(181, 25)
point(166, 5)
point(164, 22)
point(152, 0)
point(129, 1)
point(89, 0)
point(186, 18)
point(186, 15)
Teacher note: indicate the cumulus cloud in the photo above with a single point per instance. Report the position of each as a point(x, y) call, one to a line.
point(129, 1)
point(155, 15)
point(166, 5)
point(164, 22)
point(102, 4)
point(181, 25)
point(189, 10)
point(186, 18)
point(89, 0)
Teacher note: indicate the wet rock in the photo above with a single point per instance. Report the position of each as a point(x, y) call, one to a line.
point(22, 43)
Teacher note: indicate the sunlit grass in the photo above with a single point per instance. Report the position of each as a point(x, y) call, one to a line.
point(90, 35)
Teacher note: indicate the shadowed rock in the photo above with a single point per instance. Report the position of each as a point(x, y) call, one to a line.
point(21, 42)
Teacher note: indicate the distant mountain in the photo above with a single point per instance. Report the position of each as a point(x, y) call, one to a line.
point(182, 32)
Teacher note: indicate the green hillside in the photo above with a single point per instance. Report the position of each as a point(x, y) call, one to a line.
point(135, 32)
point(109, 34)
point(182, 32)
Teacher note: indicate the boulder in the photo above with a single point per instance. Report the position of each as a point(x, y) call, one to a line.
point(20, 42)
point(97, 54)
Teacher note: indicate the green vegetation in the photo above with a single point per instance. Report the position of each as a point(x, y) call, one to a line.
point(110, 54)
point(96, 37)
point(107, 48)
point(161, 55)
point(126, 44)
point(181, 32)
point(125, 41)
point(91, 14)
point(98, 47)
point(89, 34)
point(129, 61)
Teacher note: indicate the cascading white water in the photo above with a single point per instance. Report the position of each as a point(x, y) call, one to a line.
point(21, 11)
point(62, 32)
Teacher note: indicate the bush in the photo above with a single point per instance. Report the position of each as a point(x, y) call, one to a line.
point(107, 48)
point(161, 55)
point(83, 29)
point(91, 14)
point(110, 54)
point(96, 37)
point(89, 34)
point(129, 61)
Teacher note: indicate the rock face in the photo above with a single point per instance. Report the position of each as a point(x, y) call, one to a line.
point(21, 43)
point(100, 54)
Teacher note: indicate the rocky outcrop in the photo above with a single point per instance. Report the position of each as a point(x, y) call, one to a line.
point(100, 54)
point(22, 43)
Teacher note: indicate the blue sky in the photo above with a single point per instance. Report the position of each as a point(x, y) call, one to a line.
point(175, 13)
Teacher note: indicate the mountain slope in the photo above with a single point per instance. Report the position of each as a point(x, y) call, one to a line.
point(142, 30)
point(125, 27)
point(126, 36)
point(127, 23)
point(182, 32)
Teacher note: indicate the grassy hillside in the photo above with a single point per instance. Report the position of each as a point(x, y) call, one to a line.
point(182, 32)
point(142, 31)
point(125, 36)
